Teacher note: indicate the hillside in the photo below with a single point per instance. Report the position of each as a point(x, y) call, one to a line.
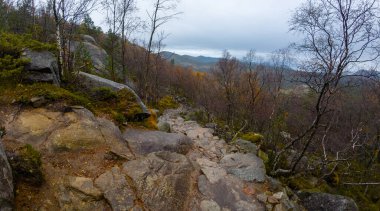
point(199, 63)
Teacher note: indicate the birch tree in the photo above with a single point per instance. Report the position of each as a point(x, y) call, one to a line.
point(339, 35)
point(66, 11)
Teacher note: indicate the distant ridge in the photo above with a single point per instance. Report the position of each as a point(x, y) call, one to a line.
point(199, 63)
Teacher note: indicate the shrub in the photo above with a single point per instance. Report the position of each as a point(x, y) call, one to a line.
point(167, 102)
point(26, 165)
point(252, 137)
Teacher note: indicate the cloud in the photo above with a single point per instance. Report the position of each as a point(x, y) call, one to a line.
point(238, 25)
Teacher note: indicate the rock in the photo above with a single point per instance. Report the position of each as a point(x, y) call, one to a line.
point(325, 201)
point(262, 197)
point(163, 180)
point(38, 101)
point(279, 195)
point(273, 200)
point(72, 199)
point(84, 185)
point(246, 206)
point(98, 55)
point(247, 167)
point(207, 205)
point(228, 193)
point(274, 184)
point(246, 146)
point(279, 207)
point(164, 127)
point(116, 189)
point(211, 125)
point(77, 129)
point(143, 142)
point(211, 169)
point(88, 38)
point(43, 67)
point(92, 81)
point(6, 182)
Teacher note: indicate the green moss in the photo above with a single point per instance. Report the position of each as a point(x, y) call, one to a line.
point(252, 137)
point(104, 94)
point(167, 102)
point(26, 165)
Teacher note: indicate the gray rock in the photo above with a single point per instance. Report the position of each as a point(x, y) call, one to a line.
point(228, 193)
point(163, 180)
point(72, 199)
point(88, 38)
point(246, 146)
point(93, 81)
point(211, 125)
point(43, 67)
point(143, 142)
point(247, 167)
point(327, 202)
point(98, 55)
point(116, 189)
point(207, 205)
point(38, 101)
point(274, 184)
point(164, 127)
point(6, 182)
point(84, 185)
point(213, 172)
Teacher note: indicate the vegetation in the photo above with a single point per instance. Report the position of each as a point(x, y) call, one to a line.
point(318, 117)
point(11, 47)
point(26, 165)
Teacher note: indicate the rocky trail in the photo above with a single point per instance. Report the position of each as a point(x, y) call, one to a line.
point(87, 163)
point(228, 180)
point(69, 159)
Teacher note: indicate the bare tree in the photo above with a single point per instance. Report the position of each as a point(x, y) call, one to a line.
point(339, 36)
point(163, 11)
point(66, 11)
point(227, 73)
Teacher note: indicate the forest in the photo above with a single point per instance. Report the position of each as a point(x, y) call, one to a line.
point(317, 123)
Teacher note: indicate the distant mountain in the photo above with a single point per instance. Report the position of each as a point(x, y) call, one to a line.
point(199, 63)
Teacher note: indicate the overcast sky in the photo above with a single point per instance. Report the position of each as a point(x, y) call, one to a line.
point(207, 27)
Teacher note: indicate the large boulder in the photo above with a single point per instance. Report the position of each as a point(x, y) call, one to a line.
point(163, 180)
point(42, 67)
point(327, 202)
point(143, 142)
point(247, 167)
point(56, 131)
point(97, 54)
point(6, 181)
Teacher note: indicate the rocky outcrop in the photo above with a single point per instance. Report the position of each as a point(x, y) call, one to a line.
point(42, 67)
point(6, 181)
point(163, 180)
point(97, 54)
point(325, 201)
point(145, 142)
point(66, 131)
point(88, 164)
point(92, 81)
